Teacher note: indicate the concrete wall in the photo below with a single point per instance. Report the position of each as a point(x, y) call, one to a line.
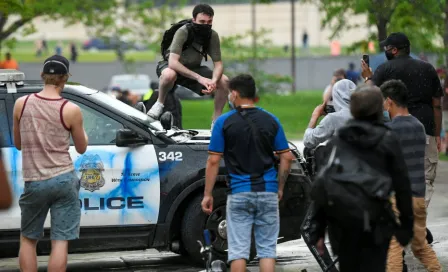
point(312, 73)
point(231, 20)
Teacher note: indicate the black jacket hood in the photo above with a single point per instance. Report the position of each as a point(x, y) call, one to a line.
point(362, 133)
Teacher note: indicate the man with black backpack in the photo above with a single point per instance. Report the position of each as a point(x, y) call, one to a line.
point(183, 47)
point(351, 192)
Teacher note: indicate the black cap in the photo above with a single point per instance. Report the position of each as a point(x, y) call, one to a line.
point(56, 65)
point(397, 39)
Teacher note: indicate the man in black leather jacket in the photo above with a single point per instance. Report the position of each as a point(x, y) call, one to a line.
point(358, 250)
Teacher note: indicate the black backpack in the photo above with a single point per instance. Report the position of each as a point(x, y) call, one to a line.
point(169, 35)
point(351, 191)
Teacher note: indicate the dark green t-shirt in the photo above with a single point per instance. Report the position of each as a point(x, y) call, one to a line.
point(191, 58)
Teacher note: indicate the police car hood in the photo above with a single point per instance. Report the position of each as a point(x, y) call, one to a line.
point(203, 135)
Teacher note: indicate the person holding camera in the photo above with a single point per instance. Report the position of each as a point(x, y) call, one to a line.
point(316, 134)
point(327, 97)
point(425, 95)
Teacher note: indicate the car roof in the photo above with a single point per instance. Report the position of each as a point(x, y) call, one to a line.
point(20, 85)
point(33, 86)
point(73, 88)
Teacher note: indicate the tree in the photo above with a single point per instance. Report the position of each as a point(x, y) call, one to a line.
point(18, 14)
point(135, 23)
point(413, 17)
point(243, 61)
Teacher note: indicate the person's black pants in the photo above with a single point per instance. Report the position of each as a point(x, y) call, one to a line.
point(358, 253)
point(172, 104)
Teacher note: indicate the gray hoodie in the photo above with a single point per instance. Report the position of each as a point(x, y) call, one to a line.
point(341, 93)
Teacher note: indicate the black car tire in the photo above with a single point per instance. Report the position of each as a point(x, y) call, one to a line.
point(195, 221)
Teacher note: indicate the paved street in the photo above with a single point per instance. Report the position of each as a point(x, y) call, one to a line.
point(293, 256)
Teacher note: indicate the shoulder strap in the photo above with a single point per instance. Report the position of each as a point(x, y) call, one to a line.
point(168, 37)
point(266, 146)
point(190, 37)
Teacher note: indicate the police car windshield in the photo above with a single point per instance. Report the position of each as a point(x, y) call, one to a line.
point(124, 108)
point(132, 84)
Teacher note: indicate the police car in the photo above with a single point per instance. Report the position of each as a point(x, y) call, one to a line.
point(141, 182)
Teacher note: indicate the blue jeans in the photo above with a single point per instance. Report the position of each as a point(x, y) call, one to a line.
point(252, 209)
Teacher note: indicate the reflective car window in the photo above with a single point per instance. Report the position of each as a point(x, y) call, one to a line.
point(5, 139)
point(100, 128)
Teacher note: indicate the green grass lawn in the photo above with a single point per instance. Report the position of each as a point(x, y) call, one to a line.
point(85, 56)
point(294, 111)
point(443, 157)
point(24, 51)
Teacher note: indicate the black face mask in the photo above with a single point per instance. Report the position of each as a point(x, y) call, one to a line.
point(389, 54)
point(202, 31)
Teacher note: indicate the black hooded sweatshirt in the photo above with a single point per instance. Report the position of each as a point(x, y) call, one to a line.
point(388, 157)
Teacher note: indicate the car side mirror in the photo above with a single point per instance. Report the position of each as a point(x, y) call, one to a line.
point(167, 120)
point(126, 137)
point(141, 107)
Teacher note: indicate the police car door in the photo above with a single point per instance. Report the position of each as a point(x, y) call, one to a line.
point(119, 185)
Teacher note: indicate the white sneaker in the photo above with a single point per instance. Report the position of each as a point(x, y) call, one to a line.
point(155, 111)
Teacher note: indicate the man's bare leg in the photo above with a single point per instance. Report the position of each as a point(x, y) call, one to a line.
point(167, 79)
point(238, 266)
point(221, 94)
point(267, 265)
point(58, 256)
point(27, 254)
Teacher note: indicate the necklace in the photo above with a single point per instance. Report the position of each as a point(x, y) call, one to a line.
point(403, 114)
point(247, 105)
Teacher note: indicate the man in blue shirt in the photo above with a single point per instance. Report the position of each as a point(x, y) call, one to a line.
point(247, 137)
point(351, 74)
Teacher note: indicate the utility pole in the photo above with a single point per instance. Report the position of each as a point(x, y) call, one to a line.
point(254, 36)
point(293, 46)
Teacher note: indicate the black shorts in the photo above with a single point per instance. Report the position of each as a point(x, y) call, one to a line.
point(185, 81)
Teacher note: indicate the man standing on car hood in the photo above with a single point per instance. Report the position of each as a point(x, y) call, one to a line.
point(43, 124)
point(248, 136)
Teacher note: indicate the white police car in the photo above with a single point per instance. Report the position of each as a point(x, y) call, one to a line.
point(141, 185)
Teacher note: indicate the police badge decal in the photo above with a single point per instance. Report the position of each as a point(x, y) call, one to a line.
point(92, 173)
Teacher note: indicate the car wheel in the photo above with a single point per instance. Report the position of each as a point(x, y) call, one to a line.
point(195, 221)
